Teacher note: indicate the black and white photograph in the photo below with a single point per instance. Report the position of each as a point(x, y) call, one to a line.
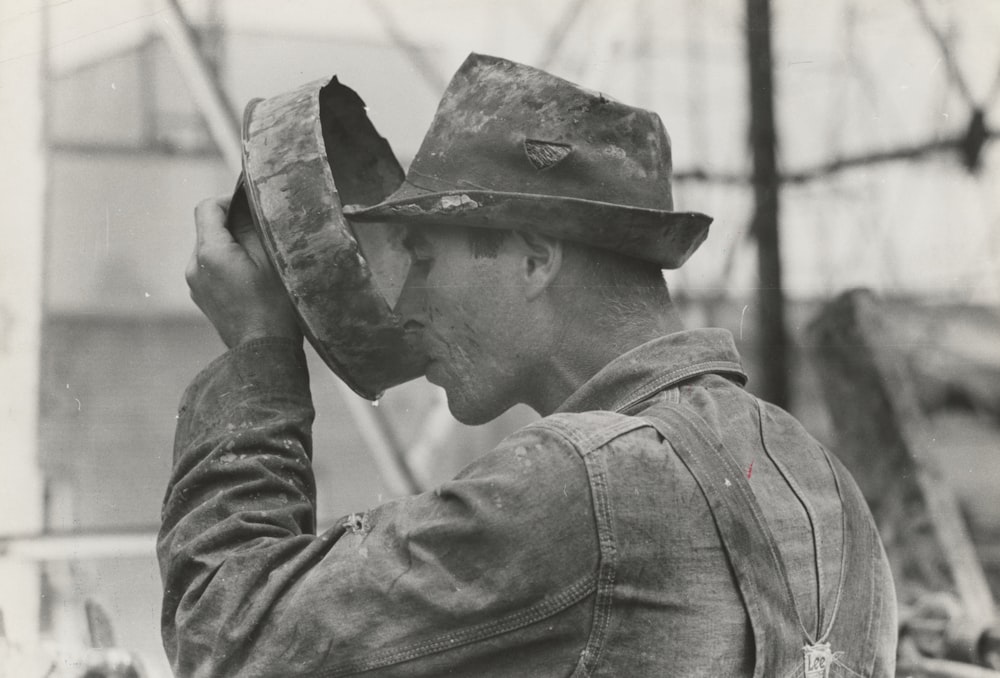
point(499, 338)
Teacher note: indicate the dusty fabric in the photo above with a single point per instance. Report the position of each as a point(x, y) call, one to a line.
point(581, 545)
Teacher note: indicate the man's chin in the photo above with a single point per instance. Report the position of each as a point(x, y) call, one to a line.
point(464, 406)
point(469, 411)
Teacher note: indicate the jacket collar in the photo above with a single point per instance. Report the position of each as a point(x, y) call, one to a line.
point(657, 365)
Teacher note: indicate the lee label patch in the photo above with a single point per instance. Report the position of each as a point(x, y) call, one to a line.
point(546, 154)
point(818, 658)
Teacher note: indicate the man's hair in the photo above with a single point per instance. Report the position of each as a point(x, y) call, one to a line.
point(485, 243)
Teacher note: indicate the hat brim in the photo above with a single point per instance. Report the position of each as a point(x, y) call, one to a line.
point(661, 237)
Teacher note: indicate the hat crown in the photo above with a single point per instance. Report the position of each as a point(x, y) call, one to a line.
point(513, 147)
point(510, 128)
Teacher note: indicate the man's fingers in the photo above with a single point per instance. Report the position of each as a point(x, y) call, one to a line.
point(231, 279)
point(225, 229)
point(210, 222)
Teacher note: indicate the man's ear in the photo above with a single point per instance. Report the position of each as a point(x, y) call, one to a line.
point(541, 260)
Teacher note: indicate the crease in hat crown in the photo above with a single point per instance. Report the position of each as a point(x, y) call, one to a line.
point(512, 146)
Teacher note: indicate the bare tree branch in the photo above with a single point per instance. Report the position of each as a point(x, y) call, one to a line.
point(702, 175)
point(935, 146)
point(913, 152)
point(946, 53)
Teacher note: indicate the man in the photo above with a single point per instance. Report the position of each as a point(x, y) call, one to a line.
point(657, 521)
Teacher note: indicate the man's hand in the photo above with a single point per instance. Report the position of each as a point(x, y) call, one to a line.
point(232, 280)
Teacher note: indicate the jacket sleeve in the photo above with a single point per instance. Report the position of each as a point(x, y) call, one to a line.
point(251, 590)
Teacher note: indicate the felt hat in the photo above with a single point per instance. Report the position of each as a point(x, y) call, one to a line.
point(514, 147)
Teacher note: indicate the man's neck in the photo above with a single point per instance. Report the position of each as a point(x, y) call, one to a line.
point(582, 348)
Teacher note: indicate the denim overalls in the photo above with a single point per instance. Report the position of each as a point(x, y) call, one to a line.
point(842, 643)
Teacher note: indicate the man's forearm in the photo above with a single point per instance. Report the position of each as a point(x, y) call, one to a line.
point(240, 507)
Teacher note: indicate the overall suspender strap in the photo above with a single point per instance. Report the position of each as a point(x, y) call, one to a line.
point(856, 618)
point(752, 550)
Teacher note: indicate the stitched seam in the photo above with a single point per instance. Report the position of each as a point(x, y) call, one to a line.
point(597, 479)
point(594, 649)
point(875, 605)
point(814, 525)
point(845, 545)
point(589, 442)
point(546, 608)
point(585, 442)
point(647, 389)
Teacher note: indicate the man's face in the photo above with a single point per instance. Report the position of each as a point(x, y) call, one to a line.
point(466, 310)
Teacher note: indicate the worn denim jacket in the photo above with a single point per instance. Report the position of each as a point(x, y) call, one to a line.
point(582, 545)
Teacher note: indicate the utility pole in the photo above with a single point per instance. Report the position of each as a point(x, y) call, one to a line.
point(772, 335)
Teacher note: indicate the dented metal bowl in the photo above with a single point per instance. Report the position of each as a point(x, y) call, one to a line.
point(306, 153)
